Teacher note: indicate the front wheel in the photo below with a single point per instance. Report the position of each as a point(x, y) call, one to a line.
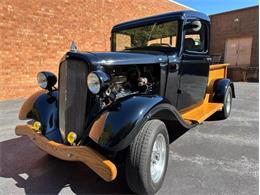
point(147, 158)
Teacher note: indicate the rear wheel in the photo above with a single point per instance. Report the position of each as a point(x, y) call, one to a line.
point(147, 158)
point(225, 112)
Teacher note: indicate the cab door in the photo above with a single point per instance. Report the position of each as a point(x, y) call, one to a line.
point(194, 66)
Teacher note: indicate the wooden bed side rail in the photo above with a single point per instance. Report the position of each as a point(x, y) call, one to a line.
point(97, 162)
point(216, 71)
point(218, 66)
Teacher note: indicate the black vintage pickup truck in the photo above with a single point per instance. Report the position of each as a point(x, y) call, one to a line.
point(126, 106)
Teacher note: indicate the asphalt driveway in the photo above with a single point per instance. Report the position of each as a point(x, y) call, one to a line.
point(217, 157)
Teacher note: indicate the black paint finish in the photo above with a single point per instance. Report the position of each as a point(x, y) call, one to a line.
point(99, 59)
point(173, 78)
point(220, 87)
point(126, 116)
point(182, 15)
point(45, 110)
point(193, 80)
point(183, 82)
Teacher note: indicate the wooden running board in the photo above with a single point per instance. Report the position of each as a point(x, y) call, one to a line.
point(202, 112)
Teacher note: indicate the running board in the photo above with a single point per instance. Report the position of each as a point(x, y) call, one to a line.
point(202, 112)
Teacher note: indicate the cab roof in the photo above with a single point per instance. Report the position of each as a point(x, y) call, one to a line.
point(186, 14)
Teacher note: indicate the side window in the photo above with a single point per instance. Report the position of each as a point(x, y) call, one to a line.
point(196, 39)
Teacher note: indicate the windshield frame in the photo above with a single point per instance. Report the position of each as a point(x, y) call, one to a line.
point(178, 38)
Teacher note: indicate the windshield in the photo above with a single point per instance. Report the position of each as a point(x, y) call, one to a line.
point(152, 35)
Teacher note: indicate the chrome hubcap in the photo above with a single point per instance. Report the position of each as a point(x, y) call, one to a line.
point(158, 158)
point(228, 106)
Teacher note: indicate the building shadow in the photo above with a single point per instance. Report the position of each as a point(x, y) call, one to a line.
point(38, 173)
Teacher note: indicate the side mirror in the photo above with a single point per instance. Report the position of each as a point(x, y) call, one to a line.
point(194, 25)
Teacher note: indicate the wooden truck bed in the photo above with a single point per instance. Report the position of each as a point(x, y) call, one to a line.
point(207, 108)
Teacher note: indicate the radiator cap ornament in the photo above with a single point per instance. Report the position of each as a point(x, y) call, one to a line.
point(73, 47)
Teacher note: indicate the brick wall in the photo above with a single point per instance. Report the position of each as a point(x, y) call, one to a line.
point(36, 34)
point(225, 26)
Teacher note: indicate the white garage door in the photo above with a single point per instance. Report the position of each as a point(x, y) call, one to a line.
point(238, 51)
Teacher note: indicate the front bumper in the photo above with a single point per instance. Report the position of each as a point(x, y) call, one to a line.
point(98, 163)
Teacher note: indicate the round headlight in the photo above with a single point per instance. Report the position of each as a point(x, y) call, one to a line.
point(42, 80)
point(94, 84)
point(46, 80)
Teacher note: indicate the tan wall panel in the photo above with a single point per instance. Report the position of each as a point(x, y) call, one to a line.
point(238, 51)
point(244, 51)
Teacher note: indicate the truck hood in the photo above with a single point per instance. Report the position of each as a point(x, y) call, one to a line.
point(127, 58)
point(121, 58)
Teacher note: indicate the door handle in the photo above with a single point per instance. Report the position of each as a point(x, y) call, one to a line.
point(174, 67)
point(209, 59)
point(162, 61)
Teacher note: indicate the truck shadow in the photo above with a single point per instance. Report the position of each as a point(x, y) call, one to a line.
point(38, 173)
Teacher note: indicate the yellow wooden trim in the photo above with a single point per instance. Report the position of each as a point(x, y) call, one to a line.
point(217, 66)
point(190, 108)
point(202, 112)
point(97, 162)
point(188, 121)
point(206, 99)
point(217, 71)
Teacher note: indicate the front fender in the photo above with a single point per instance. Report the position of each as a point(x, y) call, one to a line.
point(122, 118)
point(28, 105)
point(45, 110)
point(116, 127)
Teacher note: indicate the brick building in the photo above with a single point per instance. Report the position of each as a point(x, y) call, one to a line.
point(36, 34)
point(235, 38)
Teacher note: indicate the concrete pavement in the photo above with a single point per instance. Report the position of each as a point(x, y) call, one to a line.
point(217, 157)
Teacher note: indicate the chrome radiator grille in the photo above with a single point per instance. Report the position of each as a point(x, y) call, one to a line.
point(72, 97)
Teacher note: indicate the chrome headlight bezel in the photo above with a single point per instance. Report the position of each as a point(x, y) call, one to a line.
point(42, 80)
point(94, 84)
point(46, 80)
point(97, 81)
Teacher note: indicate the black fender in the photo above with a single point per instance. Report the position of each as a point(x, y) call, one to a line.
point(116, 127)
point(220, 87)
point(45, 110)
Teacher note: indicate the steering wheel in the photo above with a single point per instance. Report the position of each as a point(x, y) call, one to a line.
point(160, 44)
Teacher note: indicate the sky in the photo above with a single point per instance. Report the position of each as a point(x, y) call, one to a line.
point(217, 6)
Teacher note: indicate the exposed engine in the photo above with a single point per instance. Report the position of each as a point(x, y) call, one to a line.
point(132, 80)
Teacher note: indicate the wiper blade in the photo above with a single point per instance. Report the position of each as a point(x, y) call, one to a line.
point(132, 48)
